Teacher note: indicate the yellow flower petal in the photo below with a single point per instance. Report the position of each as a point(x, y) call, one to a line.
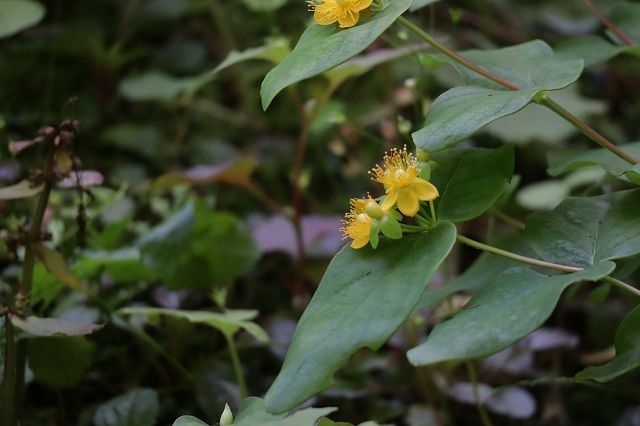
point(348, 18)
point(407, 202)
point(358, 5)
point(389, 200)
point(424, 190)
point(345, 12)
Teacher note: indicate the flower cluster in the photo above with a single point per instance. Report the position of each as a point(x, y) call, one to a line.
point(345, 12)
point(404, 187)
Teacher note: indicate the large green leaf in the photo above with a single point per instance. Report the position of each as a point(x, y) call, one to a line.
point(627, 358)
point(591, 49)
point(197, 248)
point(460, 112)
point(228, 322)
point(137, 407)
point(322, 47)
point(60, 362)
point(253, 413)
point(363, 298)
point(17, 15)
point(515, 304)
point(584, 231)
point(531, 65)
point(470, 180)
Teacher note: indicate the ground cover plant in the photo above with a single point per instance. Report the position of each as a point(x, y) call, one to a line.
point(337, 212)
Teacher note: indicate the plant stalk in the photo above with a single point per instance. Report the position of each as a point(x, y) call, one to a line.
point(15, 362)
point(237, 369)
point(544, 100)
point(607, 23)
point(537, 262)
point(586, 129)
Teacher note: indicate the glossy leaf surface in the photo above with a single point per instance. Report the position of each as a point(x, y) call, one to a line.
point(470, 180)
point(512, 306)
point(584, 231)
point(363, 298)
point(322, 47)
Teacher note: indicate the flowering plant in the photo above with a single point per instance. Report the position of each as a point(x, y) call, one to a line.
point(403, 240)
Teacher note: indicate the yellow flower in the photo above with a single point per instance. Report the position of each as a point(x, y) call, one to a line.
point(402, 183)
point(357, 223)
point(345, 12)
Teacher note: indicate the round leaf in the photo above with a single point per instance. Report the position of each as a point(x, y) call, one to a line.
point(59, 361)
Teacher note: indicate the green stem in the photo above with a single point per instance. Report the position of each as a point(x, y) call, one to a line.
point(237, 369)
point(586, 129)
point(622, 285)
point(473, 378)
point(607, 23)
point(508, 219)
point(142, 335)
point(456, 56)
point(514, 256)
point(536, 262)
point(8, 406)
point(544, 100)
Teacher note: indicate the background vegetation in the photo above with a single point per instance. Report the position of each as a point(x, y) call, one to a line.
point(223, 217)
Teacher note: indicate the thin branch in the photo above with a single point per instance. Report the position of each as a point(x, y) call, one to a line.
point(607, 23)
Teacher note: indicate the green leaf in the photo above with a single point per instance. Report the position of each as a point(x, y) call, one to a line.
point(189, 421)
point(196, 248)
point(156, 86)
point(531, 65)
point(17, 15)
point(470, 180)
point(536, 123)
point(228, 322)
point(361, 64)
point(481, 273)
point(627, 343)
point(584, 231)
point(137, 407)
point(512, 306)
point(57, 266)
point(22, 189)
point(633, 174)
point(563, 161)
point(364, 296)
point(52, 326)
point(253, 413)
point(460, 112)
point(418, 4)
point(60, 362)
point(591, 49)
point(273, 51)
point(322, 47)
